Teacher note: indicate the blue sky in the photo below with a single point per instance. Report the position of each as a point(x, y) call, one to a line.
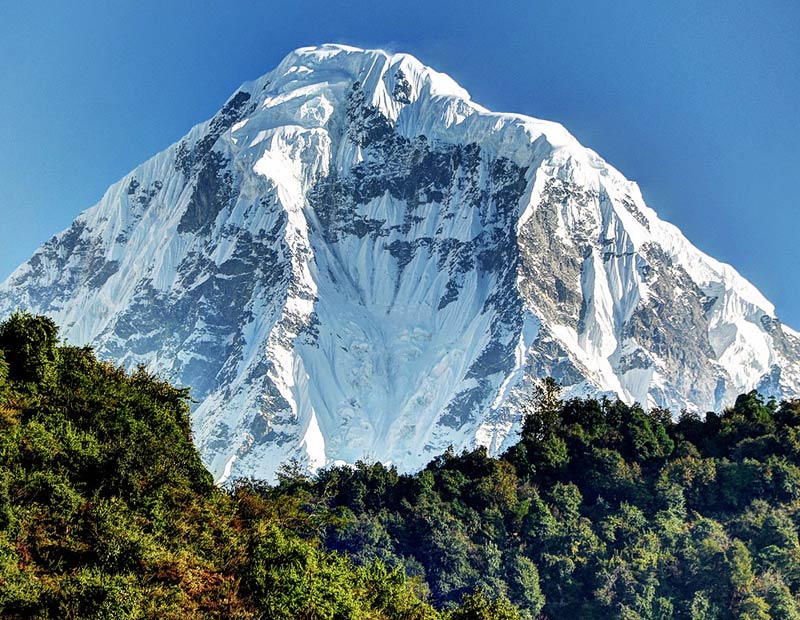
point(698, 101)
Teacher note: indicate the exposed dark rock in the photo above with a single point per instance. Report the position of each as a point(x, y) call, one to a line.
point(212, 193)
point(402, 89)
point(188, 158)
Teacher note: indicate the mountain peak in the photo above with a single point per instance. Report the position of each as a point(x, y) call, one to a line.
point(385, 77)
point(353, 260)
point(372, 65)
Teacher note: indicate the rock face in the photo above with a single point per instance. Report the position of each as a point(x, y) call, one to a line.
point(353, 260)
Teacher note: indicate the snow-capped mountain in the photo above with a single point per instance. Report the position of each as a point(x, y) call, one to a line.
point(354, 260)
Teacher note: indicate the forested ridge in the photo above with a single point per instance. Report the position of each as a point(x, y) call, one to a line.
point(601, 510)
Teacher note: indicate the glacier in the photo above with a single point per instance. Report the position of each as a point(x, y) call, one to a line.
point(353, 260)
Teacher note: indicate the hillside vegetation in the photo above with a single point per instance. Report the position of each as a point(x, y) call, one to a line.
point(601, 510)
point(107, 512)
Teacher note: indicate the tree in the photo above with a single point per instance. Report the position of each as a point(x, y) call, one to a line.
point(477, 606)
point(30, 344)
point(541, 408)
point(526, 590)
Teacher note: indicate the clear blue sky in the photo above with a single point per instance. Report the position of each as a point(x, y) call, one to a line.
point(697, 100)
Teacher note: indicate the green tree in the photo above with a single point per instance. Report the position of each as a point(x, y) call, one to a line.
point(477, 606)
point(30, 347)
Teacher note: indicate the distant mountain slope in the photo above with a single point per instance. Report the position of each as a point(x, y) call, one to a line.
point(352, 259)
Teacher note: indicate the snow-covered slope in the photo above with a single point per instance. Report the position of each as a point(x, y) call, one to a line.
point(354, 260)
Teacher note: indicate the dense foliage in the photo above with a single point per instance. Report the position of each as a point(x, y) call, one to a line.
point(601, 510)
point(107, 512)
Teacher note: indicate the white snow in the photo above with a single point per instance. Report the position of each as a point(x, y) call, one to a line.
point(386, 361)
